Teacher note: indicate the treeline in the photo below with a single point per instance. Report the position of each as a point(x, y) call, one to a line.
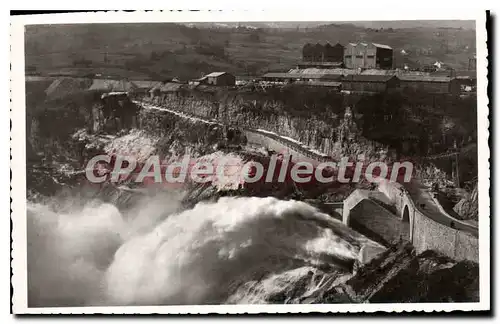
point(299, 101)
point(431, 123)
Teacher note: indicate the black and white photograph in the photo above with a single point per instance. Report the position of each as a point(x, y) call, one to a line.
point(164, 160)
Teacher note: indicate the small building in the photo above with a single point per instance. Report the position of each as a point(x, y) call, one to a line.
point(164, 88)
point(369, 83)
point(107, 85)
point(144, 86)
point(218, 79)
point(431, 84)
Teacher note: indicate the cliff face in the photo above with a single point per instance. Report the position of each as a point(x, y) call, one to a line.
point(330, 128)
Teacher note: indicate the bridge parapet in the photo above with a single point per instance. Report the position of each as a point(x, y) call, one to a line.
point(425, 232)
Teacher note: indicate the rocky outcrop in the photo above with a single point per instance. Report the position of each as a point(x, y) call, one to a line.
point(467, 207)
point(398, 275)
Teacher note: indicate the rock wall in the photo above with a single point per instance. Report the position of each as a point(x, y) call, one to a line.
point(333, 131)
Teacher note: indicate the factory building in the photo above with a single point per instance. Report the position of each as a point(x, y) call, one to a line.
point(323, 53)
point(369, 83)
point(368, 56)
point(294, 77)
point(431, 84)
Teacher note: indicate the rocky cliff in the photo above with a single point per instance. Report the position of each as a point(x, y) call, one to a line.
point(319, 119)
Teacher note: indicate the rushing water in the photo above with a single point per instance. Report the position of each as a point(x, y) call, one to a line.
point(237, 250)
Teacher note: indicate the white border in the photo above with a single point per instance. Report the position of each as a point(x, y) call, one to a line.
point(18, 162)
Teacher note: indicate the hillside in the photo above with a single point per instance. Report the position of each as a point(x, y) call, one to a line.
point(165, 50)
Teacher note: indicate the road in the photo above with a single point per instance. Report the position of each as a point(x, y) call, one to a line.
point(424, 201)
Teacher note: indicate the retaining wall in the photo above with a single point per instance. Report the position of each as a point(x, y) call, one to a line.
point(430, 235)
point(427, 234)
point(260, 139)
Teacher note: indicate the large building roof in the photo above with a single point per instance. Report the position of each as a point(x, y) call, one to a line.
point(215, 74)
point(321, 64)
point(323, 83)
point(367, 78)
point(381, 46)
point(423, 78)
point(292, 75)
point(374, 44)
point(337, 71)
point(145, 84)
point(378, 72)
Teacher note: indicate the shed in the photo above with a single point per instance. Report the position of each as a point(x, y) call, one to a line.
point(167, 87)
point(61, 87)
point(218, 79)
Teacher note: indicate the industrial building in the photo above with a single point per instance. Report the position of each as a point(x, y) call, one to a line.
point(369, 83)
point(323, 53)
point(431, 84)
point(368, 56)
point(294, 77)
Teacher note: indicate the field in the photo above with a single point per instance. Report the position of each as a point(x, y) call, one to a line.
point(166, 50)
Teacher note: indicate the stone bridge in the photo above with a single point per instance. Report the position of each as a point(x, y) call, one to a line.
point(409, 212)
point(419, 214)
